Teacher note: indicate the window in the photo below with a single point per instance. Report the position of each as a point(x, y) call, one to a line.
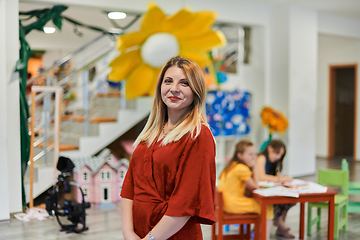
point(122, 173)
point(86, 193)
point(108, 175)
point(85, 177)
point(102, 175)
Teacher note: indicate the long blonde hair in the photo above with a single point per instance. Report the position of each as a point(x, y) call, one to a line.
point(191, 121)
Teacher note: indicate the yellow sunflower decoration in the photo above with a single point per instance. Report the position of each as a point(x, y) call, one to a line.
point(161, 37)
point(276, 121)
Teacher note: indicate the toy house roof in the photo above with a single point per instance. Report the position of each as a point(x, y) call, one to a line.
point(94, 163)
point(124, 162)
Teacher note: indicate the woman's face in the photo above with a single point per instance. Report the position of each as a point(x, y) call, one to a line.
point(175, 90)
point(275, 154)
point(248, 156)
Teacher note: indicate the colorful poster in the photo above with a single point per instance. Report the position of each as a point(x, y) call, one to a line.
point(228, 113)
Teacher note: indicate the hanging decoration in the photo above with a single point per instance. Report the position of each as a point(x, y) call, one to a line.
point(276, 122)
point(144, 52)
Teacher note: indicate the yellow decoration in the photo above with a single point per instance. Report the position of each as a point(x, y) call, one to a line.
point(274, 119)
point(161, 37)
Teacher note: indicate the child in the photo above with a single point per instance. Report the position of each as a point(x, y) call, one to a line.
point(268, 166)
point(237, 178)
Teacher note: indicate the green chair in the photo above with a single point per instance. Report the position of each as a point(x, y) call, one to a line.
point(332, 177)
point(354, 189)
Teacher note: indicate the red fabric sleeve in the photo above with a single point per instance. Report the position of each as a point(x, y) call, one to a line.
point(127, 190)
point(193, 194)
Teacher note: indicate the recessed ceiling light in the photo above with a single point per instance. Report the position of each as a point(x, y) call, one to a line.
point(117, 15)
point(49, 30)
point(115, 30)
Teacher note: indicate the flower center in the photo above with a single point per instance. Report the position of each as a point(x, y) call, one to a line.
point(159, 48)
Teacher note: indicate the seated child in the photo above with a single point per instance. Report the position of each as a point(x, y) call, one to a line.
point(238, 177)
point(268, 167)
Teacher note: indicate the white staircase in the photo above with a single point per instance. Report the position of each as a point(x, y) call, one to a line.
point(108, 132)
point(89, 140)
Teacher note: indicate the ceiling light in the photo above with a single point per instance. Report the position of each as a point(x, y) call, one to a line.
point(115, 30)
point(49, 30)
point(117, 15)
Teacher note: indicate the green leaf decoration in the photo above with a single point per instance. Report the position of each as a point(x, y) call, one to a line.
point(58, 22)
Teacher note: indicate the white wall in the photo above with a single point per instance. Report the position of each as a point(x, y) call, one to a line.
point(252, 76)
point(334, 25)
point(292, 83)
point(333, 50)
point(279, 61)
point(302, 90)
point(10, 171)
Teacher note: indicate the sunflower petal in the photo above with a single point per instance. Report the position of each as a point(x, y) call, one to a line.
point(153, 19)
point(123, 65)
point(178, 20)
point(199, 23)
point(201, 58)
point(129, 40)
point(205, 42)
point(139, 81)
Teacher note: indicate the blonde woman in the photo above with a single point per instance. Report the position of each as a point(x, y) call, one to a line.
point(169, 188)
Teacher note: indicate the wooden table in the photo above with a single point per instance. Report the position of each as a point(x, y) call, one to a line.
point(328, 196)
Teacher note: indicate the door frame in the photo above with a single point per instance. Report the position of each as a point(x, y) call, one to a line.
point(331, 107)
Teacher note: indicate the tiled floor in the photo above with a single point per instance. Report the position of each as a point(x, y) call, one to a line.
point(106, 224)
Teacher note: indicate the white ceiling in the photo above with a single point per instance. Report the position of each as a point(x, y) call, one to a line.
point(343, 8)
point(67, 40)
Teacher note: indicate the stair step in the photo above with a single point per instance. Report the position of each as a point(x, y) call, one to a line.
point(92, 119)
point(109, 94)
point(62, 146)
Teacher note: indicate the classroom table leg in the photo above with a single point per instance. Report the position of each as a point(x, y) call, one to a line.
point(331, 213)
point(302, 220)
point(262, 222)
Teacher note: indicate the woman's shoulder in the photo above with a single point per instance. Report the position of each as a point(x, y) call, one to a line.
point(204, 135)
point(205, 131)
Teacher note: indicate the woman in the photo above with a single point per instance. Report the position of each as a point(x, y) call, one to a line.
point(269, 165)
point(169, 188)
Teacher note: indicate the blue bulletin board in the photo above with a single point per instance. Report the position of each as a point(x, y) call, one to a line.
point(228, 113)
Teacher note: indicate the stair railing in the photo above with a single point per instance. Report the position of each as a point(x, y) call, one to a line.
point(58, 92)
point(74, 83)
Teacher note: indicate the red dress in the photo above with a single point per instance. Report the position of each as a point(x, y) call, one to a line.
point(174, 180)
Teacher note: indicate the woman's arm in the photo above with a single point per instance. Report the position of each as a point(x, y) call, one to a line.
point(167, 227)
point(127, 220)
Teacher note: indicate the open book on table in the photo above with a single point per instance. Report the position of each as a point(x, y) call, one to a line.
point(289, 189)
